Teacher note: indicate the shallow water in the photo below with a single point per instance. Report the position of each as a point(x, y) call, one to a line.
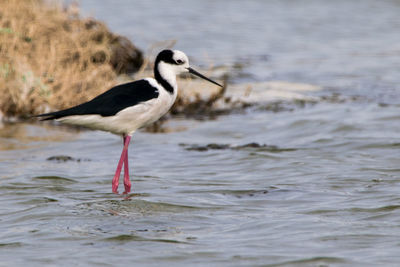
point(312, 185)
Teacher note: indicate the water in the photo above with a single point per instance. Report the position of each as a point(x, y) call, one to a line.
point(324, 191)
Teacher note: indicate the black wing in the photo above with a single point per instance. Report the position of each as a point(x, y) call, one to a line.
point(110, 102)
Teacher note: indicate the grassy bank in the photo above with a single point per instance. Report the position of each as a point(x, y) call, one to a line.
point(51, 58)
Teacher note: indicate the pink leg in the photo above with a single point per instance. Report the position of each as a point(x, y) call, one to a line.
point(127, 182)
point(115, 180)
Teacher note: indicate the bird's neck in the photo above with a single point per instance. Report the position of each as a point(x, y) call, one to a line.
point(165, 76)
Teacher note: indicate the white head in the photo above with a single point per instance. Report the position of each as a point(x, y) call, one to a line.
point(173, 60)
point(171, 63)
point(181, 62)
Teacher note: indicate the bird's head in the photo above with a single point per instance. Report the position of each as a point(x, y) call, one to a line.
point(177, 62)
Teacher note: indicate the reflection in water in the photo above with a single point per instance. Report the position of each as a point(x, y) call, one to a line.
point(24, 135)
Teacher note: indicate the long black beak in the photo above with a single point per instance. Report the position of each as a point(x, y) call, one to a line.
point(192, 71)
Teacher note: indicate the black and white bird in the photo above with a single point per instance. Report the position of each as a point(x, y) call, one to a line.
point(127, 107)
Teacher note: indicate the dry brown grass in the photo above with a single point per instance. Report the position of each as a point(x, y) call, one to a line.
point(50, 58)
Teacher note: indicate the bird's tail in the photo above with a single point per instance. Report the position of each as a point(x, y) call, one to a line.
point(48, 116)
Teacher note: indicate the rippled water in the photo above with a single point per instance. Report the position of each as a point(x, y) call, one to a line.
point(312, 185)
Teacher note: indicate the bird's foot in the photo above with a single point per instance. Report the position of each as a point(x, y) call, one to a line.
point(115, 183)
point(127, 185)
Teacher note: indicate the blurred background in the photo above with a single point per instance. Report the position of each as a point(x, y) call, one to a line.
point(295, 162)
point(350, 46)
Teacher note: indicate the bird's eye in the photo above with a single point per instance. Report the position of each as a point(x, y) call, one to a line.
point(179, 61)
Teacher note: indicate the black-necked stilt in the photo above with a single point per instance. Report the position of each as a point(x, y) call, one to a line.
point(127, 107)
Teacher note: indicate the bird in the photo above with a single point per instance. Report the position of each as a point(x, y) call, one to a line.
point(125, 108)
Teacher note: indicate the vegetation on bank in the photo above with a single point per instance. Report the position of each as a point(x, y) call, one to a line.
point(51, 58)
